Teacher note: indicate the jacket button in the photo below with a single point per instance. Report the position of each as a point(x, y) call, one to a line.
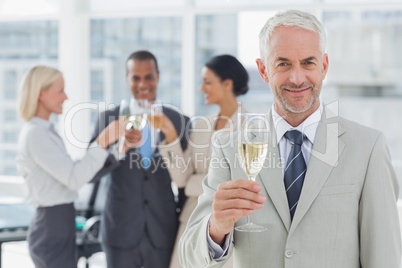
point(145, 201)
point(289, 253)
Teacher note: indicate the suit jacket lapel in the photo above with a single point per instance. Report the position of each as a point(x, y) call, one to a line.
point(324, 157)
point(272, 177)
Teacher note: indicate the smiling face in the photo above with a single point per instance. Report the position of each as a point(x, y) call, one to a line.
point(213, 87)
point(142, 78)
point(295, 69)
point(51, 100)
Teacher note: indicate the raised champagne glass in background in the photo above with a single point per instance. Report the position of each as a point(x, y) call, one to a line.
point(140, 112)
point(253, 132)
point(124, 113)
point(156, 115)
point(135, 112)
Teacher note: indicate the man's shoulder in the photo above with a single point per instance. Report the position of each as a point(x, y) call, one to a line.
point(358, 131)
point(110, 112)
point(174, 113)
point(355, 126)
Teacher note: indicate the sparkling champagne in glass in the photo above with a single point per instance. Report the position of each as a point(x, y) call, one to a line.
point(135, 111)
point(138, 114)
point(253, 131)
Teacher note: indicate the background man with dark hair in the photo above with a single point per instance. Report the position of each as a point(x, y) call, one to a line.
point(140, 218)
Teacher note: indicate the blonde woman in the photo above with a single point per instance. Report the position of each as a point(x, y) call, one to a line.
point(51, 176)
point(224, 78)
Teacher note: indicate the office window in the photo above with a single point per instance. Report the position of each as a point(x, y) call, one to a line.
point(97, 83)
point(123, 5)
point(113, 40)
point(364, 71)
point(370, 50)
point(9, 155)
point(248, 3)
point(10, 85)
point(215, 35)
point(22, 46)
point(10, 115)
point(29, 7)
point(360, 1)
point(237, 35)
point(23, 41)
point(10, 136)
point(10, 170)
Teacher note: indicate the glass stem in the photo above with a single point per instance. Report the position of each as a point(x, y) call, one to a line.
point(250, 218)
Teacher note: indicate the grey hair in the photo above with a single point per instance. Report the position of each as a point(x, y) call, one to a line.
point(292, 18)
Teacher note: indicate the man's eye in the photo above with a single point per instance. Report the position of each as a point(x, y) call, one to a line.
point(308, 63)
point(282, 64)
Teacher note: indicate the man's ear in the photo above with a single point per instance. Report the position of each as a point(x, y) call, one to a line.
point(262, 70)
point(325, 65)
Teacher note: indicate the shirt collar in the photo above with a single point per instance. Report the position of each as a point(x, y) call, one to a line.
point(308, 127)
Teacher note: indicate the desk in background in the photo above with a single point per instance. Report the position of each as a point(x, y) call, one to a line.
point(15, 217)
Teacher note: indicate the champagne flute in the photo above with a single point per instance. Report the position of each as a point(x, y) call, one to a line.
point(253, 131)
point(135, 111)
point(139, 111)
point(124, 113)
point(156, 115)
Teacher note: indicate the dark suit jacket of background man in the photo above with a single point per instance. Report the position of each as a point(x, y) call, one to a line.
point(141, 202)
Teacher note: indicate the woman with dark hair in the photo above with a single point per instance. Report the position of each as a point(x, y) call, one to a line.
point(224, 78)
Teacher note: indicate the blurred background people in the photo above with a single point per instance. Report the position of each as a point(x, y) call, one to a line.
point(52, 177)
point(140, 218)
point(224, 78)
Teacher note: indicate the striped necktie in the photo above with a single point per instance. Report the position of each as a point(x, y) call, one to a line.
point(295, 170)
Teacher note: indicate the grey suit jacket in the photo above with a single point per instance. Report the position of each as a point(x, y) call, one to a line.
point(140, 203)
point(346, 217)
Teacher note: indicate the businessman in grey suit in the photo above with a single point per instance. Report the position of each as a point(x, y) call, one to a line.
point(327, 192)
point(140, 218)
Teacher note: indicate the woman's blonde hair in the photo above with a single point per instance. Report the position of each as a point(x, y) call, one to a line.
point(36, 79)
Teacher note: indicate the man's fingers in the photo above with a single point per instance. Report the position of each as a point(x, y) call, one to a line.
point(239, 193)
point(133, 134)
point(133, 138)
point(232, 215)
point(238, 204)
point(240, 183)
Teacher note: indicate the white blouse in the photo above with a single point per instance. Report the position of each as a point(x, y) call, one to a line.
point(51, 175)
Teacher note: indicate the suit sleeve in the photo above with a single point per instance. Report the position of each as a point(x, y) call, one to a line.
point(193, 245)
point(111, 163)
point(380, 238)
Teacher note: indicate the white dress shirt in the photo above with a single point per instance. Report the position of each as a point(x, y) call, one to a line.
point(309, 128)
point(51, 175)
